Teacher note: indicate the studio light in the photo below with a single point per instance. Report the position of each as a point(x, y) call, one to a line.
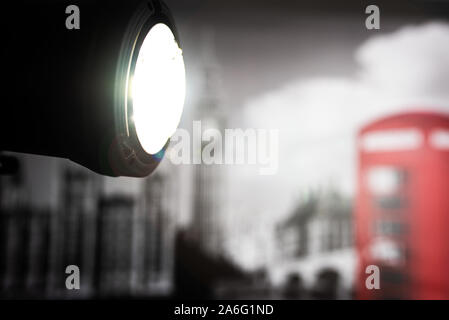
point(107, 95)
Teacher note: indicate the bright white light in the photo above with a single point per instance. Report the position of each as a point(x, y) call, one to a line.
point(158, 88)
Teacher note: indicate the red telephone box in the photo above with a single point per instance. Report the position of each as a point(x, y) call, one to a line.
point(402, 206)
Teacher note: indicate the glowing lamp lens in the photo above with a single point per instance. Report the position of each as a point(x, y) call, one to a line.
point(158, 88)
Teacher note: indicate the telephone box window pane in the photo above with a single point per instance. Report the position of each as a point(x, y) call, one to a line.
point(392, 140)
point(439, 139)
point(387, 251)
point(389, 228)
point(384, 180)
point(390, 202)
point(392, 276)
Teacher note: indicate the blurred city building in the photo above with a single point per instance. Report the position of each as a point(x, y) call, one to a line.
point(202, 265)
point(156, 230)
point(315, 245)
point(123, 243)
point(24, 242)
point(115, 245)
point(73, 228)
point(207, 224)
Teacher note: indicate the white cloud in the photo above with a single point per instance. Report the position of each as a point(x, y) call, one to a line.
point(413, 61)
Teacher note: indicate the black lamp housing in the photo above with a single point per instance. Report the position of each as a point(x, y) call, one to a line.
point(65, 91)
